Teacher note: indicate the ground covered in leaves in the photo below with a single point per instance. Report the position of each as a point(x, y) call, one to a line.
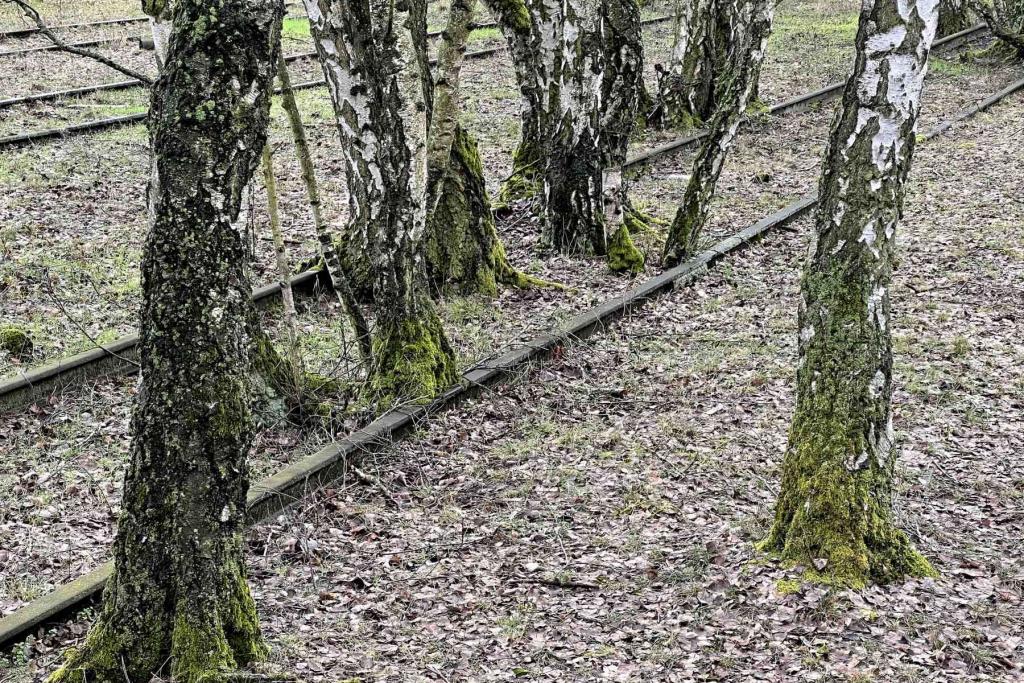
point(595, 518)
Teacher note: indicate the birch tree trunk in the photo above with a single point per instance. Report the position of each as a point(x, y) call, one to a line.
point(686, 89)
point(834, 512)
point(751, 29)
point(623, 95)
point(177, 602)
point(531, 30)
point(372, 56)
point(329, 251)
point(284, 271)
point(462, 248)
point(624, 103)
point(573, 215)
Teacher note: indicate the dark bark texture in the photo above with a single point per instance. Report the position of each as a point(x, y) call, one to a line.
point(687, 87)
point(178, 602)
point(834, 513)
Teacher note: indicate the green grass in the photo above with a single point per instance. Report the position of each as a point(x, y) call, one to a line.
point(295, 28)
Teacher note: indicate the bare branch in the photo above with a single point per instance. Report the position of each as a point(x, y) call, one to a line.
point(32, 14)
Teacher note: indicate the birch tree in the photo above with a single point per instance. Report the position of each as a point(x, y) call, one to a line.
point(373, 58)
point(751, 27)
point(521, 22)
point(573, 211)
point(687, 94)
point(834, 513)
point(177, 602)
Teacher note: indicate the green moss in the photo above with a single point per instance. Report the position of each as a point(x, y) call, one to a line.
point(507, 275)
point(412, 361)
point(623, 256)
point(199, 653)
point(96, 659)
point(787, 586)
point(834, 514)
point(526, 180)
point(295, 28)
point(512, 13)
point(240, 618)
point(15, 341)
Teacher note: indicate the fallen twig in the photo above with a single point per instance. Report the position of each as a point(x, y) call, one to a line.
point(32, 14)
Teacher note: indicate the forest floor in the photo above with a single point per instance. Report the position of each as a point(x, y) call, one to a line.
point(595, 518)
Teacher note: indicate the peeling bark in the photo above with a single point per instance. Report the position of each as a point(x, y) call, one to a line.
point(177, 601)
point(834, 511)
point(751, 29)
point(373, 60)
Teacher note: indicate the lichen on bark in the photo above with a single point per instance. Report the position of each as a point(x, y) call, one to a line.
point(834, 513)
point(177, 603)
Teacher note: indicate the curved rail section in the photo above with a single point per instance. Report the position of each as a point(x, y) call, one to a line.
point(281, 490)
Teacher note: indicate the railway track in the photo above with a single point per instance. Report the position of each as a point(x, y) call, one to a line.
point(948, 43)
point(139, 36)
point(33, 30)
point(111, 358)
point(292, 483)
point(128, 84)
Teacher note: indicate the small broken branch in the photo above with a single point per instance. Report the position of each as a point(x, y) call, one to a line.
point(32, 14)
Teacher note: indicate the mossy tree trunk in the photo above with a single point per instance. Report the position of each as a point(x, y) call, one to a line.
point(529, 29)
point(573, 220)
point(1006, 19)
point(177, 602)
point(834, 513)
point(462, 249)
point(751, 27)
point(687, 92)
point(373, 59)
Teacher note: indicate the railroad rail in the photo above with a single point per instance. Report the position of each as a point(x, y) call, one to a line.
point(294, 482)
point(60, 373)
point(140, 36)
point(127, 84)
point(948, 43)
